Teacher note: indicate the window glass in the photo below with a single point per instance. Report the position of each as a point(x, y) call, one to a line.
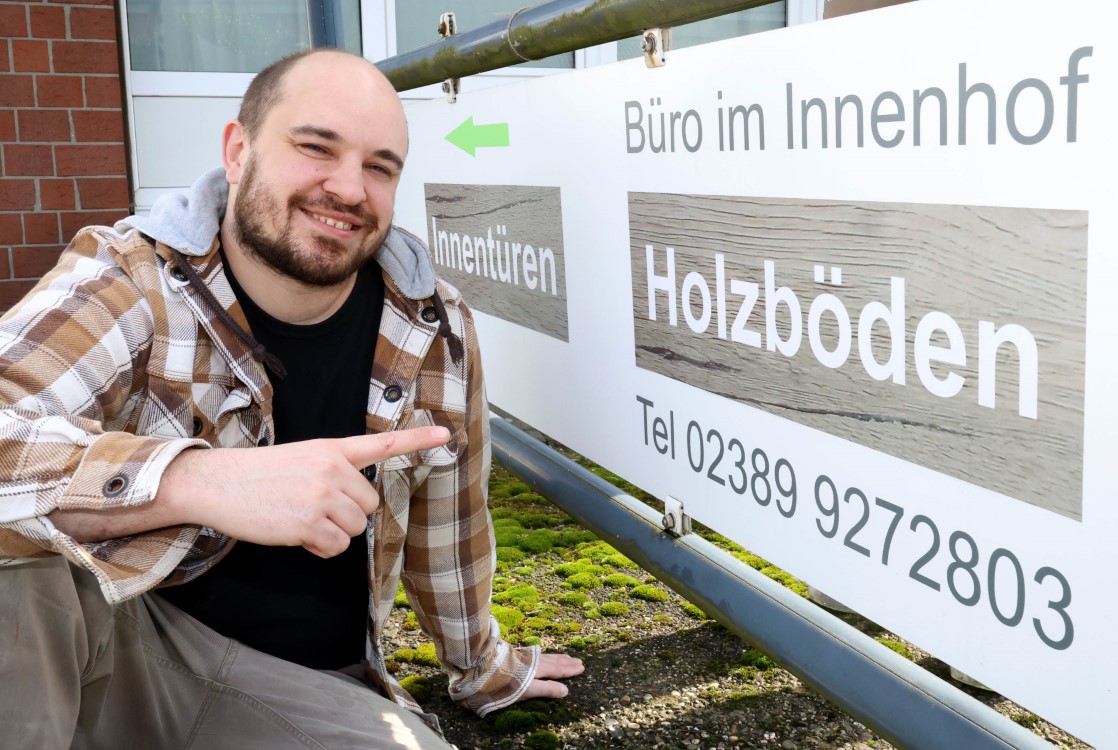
point(417, 23)
point(222, 36)
point(715, 29)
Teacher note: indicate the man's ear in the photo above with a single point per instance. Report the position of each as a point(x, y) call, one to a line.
point(234, 151)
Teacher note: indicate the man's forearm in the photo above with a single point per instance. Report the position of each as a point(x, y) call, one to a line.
point(99, 525)
point(310, 494)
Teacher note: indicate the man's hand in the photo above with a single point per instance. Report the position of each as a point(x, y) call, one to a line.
point(310, 494)
point(552, 667)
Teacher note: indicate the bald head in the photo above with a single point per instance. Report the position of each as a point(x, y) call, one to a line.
point(270, 85)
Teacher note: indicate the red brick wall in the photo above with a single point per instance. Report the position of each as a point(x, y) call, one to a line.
point(63, 162)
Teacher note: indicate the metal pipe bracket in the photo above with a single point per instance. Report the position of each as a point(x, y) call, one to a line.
point(655, 44)
point(448, 27)
point(676, 522)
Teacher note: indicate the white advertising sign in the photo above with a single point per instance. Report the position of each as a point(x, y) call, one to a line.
point(845, 289)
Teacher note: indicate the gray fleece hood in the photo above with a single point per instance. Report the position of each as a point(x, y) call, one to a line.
point(189, 222)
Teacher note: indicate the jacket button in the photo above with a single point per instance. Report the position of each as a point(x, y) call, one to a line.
point(429, 314)
point(370, 472)
point(115, 486)
point(393, 393)
point(262, 442)
point(197, 426)
point(177, 274)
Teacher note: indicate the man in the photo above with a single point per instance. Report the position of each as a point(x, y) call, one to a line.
point(184, 402)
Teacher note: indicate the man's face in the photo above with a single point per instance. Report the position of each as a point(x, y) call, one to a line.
point(317, 184)
point(271, 227)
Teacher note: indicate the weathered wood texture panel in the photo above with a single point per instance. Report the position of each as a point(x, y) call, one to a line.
point(496, 275)
point(974, 263)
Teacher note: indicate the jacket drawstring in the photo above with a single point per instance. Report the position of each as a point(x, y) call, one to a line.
point(453, 342)
point(259, 353)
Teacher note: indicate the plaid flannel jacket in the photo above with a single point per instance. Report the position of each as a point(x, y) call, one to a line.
point(112, 365)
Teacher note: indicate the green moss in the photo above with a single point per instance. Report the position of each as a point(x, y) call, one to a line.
point(694, 611)
point(748, 674)
point(649, 593)
point(418, 686)
point(542, 740)
point(531, 640)
point(584, 581)
point(522, 596)
point(411, 622)
point(1027, 720)
point(620, 579)
point(784, 579)
point(509, 535)
point(542, 519)
point(614, 609)
point(581, 643)
point(518, 488)
point(662, 618)
point(566, 570)
point(528, 519)
point(592, 612)
point(567, 538)
point(510, 554)
point(404, 655)
point(666, 655)
point(401, 597)
point(897, 646)
point(619, 561)
point(424, 655)
point(542, 624)
point(505, 522)
point(757, 660)
point(524, 570)
point(739, 698)
point(596, 551)
point(751, 560)
point(536, 542)
point(573, 599)
point(507, 617)
point(516, 720)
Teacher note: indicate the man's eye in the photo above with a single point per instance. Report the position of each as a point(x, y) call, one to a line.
point(380, 169)
point(313, 148)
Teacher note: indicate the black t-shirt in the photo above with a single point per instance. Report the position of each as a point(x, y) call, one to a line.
point(286, 601)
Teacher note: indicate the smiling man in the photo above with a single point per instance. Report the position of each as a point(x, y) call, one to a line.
point(228, 430)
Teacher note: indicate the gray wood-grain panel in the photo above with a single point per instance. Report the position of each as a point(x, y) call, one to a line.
point(975, 263)
point(503, 214)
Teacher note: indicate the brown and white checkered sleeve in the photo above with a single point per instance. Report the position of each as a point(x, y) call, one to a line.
point(72, 354)
point(450, 560)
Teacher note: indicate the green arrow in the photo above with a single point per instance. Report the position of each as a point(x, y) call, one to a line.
point(470, 137)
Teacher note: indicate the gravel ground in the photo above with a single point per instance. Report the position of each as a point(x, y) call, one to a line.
point(660, 675)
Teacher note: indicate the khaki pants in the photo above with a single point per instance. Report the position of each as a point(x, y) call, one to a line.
point(76, 672)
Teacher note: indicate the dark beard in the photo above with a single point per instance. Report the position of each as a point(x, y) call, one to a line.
point(282, 253)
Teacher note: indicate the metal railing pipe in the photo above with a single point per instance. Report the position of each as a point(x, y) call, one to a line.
point(549, 29)
point(901, 701)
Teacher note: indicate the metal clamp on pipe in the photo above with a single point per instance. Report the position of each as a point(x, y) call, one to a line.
point(448, 27)
point(655, 44)
point(676, 522)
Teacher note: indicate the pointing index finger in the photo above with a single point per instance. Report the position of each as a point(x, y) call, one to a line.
point(365, 450)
